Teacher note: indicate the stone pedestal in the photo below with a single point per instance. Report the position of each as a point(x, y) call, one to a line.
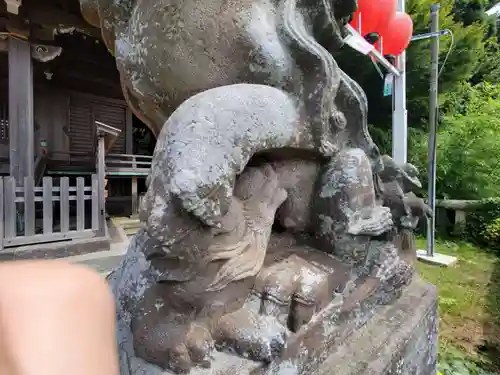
point(397, 339)
point(400, 339)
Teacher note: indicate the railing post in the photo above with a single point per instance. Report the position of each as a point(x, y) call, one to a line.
point(64, 203)
point(100, 178)
point(460, 222)
point(80, 204)
point(29, 206)
point(134, 188)
point(135, 199)
point(48, 222)
point(10, 214)
point(95, 202)
point(105, 136)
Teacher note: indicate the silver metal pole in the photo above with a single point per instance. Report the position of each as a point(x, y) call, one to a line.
point(399, 115)
point(433, 113)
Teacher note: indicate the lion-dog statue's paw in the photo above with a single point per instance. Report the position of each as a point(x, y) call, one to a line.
point(292, 290)
point(251, 335)
point(285, 297)
point(175, 346)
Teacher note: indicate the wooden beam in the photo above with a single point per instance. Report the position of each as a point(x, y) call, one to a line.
point(46, 15)
point(88, 76)
point(21, 128)
point(129, 133)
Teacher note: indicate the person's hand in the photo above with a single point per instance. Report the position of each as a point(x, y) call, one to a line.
point(55, 319)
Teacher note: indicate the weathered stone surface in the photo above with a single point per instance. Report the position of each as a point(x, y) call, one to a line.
point(372, 339)
point(257, 126)
point(168, 51)
point(175, 307)
point(400, 339)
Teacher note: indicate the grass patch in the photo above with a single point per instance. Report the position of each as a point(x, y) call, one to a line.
point(469, 305)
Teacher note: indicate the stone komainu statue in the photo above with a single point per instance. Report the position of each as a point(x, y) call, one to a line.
point(257, 127)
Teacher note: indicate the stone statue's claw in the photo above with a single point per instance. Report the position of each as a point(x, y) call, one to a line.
point(292, 291)
point(251, 335)
point(200, 344)
point(176, 347)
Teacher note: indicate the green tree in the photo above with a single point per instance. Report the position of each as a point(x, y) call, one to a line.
point(488, 68)
point(468, 52)
point(470, 11)
point(468, 151)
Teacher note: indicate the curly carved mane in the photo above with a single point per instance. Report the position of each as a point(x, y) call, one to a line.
point(339, 101)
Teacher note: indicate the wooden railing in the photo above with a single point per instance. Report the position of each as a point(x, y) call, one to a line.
point(73, 157)
point(128, 165)
point(35, 206)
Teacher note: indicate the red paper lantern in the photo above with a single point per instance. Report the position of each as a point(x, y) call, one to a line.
point(387, 11)
point(375, 15)
point(397, 35)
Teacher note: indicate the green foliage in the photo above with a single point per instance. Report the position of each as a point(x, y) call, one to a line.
point(456, 363)
point(464, 62)
point(468, 51)
point(469, 11)
point(491, 233)
point(483, 224)
point(469, 308)
point(382, 138)
point(489, 67)
point(468, 150)
point(468, 99)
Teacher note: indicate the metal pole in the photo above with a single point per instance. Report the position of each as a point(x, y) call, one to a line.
point(399, 115)
point(433, 112)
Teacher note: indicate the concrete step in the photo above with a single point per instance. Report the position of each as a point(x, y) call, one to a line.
point(131, 231)
point(129, 226)
point(126, 221)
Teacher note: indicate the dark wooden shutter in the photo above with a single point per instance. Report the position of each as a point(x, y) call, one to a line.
point(84, 111)
point(81, 127)
point(113, 115)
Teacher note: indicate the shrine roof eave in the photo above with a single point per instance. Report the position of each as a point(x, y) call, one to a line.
point(40, 21)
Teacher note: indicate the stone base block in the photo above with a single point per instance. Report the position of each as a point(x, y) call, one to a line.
point(400, 339)
point(441, 260)
point(397, 339)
